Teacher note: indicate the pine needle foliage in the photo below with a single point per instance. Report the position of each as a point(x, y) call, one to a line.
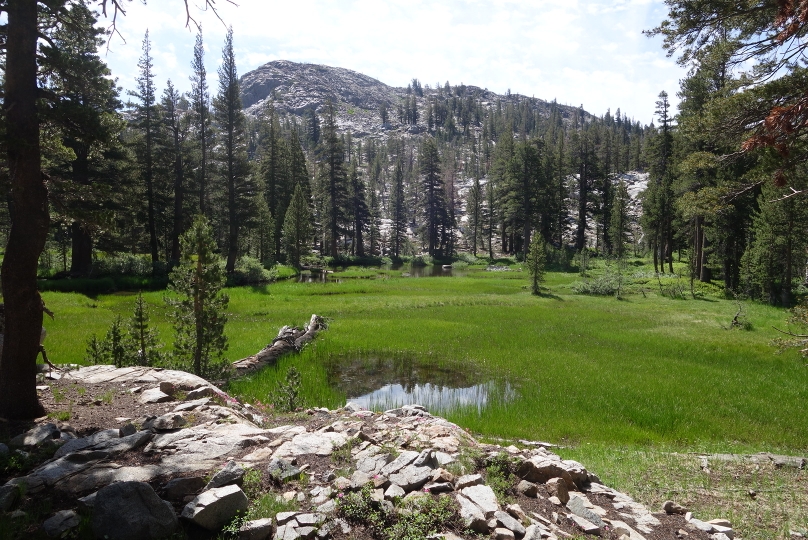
point(199, 308)
point(535, 262)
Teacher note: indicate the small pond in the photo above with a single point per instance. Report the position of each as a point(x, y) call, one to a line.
point(320, 275)
point(382, 383)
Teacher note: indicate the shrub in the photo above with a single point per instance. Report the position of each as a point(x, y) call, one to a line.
point(286, 396)
point(250, 271)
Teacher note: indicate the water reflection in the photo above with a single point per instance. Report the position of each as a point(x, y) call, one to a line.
point(317, 276)
point(436, 270)
point(435, 398)
point(380, 383)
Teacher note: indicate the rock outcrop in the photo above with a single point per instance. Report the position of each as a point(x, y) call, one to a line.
point(134, 483)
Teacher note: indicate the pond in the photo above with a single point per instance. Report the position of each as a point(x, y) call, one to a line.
point(336, 275)
point(384, 383)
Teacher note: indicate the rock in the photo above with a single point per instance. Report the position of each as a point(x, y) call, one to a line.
point(670, 507)
point(36, 436)
point(438, 487)
point(720, 536)
point(516, 511)
point(442, 475)
point(132, 511)
point(555, 500)
point(282, 470)
point(327, 507)
point(468, 481)
point(232, 473)
point(321, 444)
point(503, 534)
point(507, 521)
point(411, 477)
point(472, 516)
point(191, 405)
point(215, 508)
point(77, 445)
point(198, 393)
point(342, 483)
point(541, 468)
point(86, 504)
point(60, 523)
point(701, 525)
point(257, 529)
point(721, 522)
point(425, 458)
point(178, 488)
point(533, 532)
point(359, 479)
point(528, 489)
point(558, 488)
point(394, 492)
point(3, 450)
point(621, 528)
point(577, 505)
point(305, 532)
point(154, 395)
point(403, 459)
point(726, 531)
point(169, 421)
point(8, 496)
point(585, 525)
point(484, 497)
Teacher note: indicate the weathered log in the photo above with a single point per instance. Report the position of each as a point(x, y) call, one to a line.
point(289, 339)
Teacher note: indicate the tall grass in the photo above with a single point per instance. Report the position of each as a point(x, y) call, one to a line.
point(643, 370)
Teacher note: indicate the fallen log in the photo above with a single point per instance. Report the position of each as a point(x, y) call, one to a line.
point(289, 339)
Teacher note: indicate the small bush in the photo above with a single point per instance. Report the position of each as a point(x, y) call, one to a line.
point(422, 260)
point(286, 396)
point(250, 271)
point(123, 264)
point(605, 285)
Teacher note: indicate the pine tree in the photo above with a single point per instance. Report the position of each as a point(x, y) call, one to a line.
point(398, 211)
point(144, 340)
point(199, 307)
point(620, 224)
point(234, 166)
point(334, 179)
point(358, 209)
point(474, 211)
point(535, 262)
point(200, 104)
point(297, 227)
point(177, 132)
point(145, 112)
point(434, 197)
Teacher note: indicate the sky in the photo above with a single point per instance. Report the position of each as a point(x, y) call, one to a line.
point(580, 52)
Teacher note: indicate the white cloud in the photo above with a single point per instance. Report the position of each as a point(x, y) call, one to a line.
point(561, 49)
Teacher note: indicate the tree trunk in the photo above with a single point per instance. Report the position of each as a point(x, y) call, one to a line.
point(289, 339)
point(178, 200)
point(81, 259)
point(29, 229)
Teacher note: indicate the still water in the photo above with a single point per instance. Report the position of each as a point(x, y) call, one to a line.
point(383, 383)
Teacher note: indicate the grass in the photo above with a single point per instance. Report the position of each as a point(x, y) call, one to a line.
point(629, 387)
point(642, 370)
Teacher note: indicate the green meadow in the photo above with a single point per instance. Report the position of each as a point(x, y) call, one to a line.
point(646, 369)
point(635, 388)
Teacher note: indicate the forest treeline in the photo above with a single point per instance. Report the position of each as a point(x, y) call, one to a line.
point(131, 173)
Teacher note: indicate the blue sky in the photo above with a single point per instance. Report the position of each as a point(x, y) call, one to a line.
point(579, 52)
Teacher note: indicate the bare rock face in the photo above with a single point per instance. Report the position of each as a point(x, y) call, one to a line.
point(215, 508)
point(132, 511)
